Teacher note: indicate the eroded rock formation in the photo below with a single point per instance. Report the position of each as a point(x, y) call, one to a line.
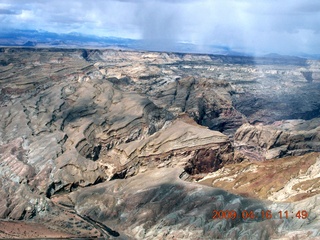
point(93, 142)
point(282, 138)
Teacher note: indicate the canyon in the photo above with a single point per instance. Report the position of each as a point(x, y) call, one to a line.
point(119, 144)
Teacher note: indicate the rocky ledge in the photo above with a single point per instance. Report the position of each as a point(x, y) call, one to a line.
point(280, 139)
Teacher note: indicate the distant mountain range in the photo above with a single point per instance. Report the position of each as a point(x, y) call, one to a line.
point(34, 38)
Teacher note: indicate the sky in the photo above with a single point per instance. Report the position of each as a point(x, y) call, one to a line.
point(255, 26)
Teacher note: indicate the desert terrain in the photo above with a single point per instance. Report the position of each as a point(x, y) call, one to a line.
point(117, 144)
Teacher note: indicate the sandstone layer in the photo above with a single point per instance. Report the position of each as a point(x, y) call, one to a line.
point(280, 139)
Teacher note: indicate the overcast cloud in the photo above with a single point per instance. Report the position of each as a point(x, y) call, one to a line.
point(286, 27)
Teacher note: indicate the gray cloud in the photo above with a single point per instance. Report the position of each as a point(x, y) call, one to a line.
point(8, 12)
point(308, 6)
point(285, 26)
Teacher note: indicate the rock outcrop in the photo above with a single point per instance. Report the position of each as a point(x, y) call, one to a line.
point(287, 179)
point(182, 143)
point(280, 139)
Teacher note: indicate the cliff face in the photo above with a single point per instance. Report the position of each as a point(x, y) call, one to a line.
point(280, 139)
point(84, 132)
